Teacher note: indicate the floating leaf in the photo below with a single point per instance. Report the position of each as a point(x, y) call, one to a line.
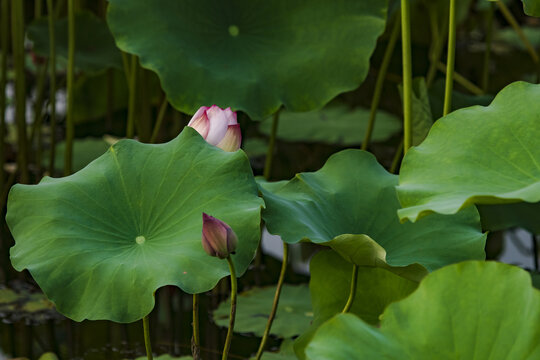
point(353, 194)
point(478, 155)
point(472, 310)
point(501, 217)
point(101, 241)
point(251, 56)
point(330, 285)
point(94, 45)
point(253, 308)
point(335, 124)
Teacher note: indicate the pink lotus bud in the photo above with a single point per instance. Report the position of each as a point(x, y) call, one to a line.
point(218, 239)
point(218, 127)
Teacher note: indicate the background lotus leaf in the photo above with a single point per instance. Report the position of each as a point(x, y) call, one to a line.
point(472, 310)
point(251, 55)
point(501, 217)
point(481, 155)
point(101, 241)
point(354, 194)
point(94, 45)
point(293, 316)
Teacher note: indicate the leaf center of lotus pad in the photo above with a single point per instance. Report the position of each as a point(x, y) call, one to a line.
point(234, 30)
point(140, 239)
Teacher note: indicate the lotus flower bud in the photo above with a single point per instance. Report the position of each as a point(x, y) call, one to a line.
point(218, 127)
point(218, 239)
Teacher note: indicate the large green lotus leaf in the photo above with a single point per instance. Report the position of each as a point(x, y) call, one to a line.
point(354, 194)
point(330, 287)
point(335, 124)
point(101, 241)
point(251, 55)
point(477, 155)
point(94, 45)
point(501, 217)
point(473, 310)
point(293, 316)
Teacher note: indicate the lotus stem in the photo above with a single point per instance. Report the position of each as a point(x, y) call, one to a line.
point(52, 84)
point(132, 101)
point(352, 293)
point(159, 120)
point(487, 53)
point(407, 74)
point(451, 59)
point(234, 289)
point(271, 145)
point(17, 22)
point(195, 341)
point(397, 157)
point(462, 80)
point(380, 82)
point(535, 252)
point(276, 301)
point(435, 52)
point(70, 130)
point(147, 342)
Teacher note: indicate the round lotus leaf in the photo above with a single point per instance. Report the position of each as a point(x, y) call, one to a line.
point(95, 49)
point(101, 241)
point(472, 310)
point(477, 155)
point(336, 124)
point(330, 286)
point(293, 315)
point(354, 194)
point(251, 55)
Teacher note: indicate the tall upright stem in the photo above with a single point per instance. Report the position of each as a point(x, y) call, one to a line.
point(276, 301)
point(147, 342)
point(437, 43)
point(380, 82)
point(70, 127)
point(352, 293)
point(450, 62)
point(487, 53)
point(52, 84)
point(232, 316)
point(195, 341)
point(4, 29)
point(159, 120)
point(132, 101)
point(270, 152)
point(407, 74)
point(17, 23)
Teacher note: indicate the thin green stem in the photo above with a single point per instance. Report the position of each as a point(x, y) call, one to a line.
point(352, 293)
point(487, 53)
point(195, 340)
point(125, 63)
point(159, 120)
point(52, 84)
point(147, 342)
point(451, 59)
point(132, 103)
point(70, 127)
point(37, 9)
point(38, 114)
point(17, 23)
point(4, 29)
point(232, 316)
point(380, 82)
point(437, 43)
point(407, 73)
point(462, 80)
point(513, 22)
point(397, 158)
point(271, 145)
point(276, 301)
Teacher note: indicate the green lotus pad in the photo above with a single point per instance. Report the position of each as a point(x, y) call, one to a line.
point(101, 241)
point(94, 45)
point(251, 55)
point(532, 7)
point(335, 124)
point(472, 310)
point(330, 286)
point(354, 194)
point(477, 155)
point(293, 316)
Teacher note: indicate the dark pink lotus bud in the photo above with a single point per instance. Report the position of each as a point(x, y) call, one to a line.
point(218, 127)
point(218, 239)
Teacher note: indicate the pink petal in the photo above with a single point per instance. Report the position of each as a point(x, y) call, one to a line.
point(232, 139)
point(218, 125)
point(231, 116)
point(200, 122)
